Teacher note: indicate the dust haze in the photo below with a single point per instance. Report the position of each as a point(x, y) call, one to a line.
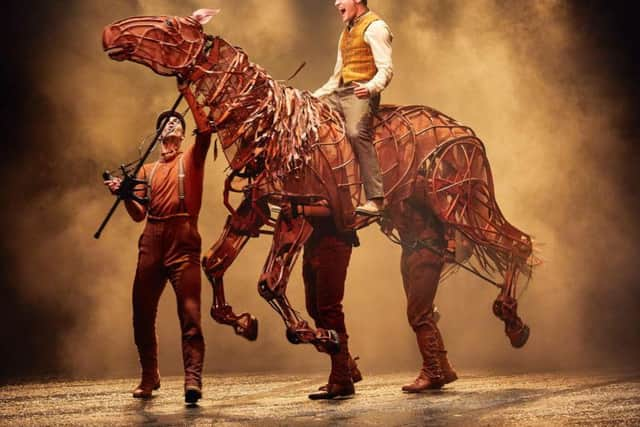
point(519, 73)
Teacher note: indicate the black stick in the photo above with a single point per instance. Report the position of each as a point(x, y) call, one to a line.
point(139, 165)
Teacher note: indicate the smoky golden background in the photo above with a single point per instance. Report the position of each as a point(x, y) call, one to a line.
point(527, 76)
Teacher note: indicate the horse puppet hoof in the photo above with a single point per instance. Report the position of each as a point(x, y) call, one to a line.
point(520, 337)
point(292, 337)
point(247, 326)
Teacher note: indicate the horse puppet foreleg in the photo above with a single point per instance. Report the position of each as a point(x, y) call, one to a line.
point(289, 237)
point(244, 224)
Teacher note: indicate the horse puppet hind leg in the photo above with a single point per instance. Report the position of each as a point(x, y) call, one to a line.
point(290, 235)
point(459, 187)
point(244, 224)
point(505, 307)
point(510, 249)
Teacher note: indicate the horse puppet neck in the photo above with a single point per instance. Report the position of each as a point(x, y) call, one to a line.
point(255, 116)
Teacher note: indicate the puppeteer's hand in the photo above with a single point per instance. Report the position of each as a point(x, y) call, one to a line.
point(361, 90)
point(113, 185)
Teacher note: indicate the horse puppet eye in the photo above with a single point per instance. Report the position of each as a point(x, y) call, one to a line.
point(169, 23)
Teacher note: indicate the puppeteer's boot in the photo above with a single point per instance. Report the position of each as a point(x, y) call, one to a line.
point(356, 375)
point(448, 374)
point(340, 384)
point(431, 376)
point(192, 393)
point(193, 357)
point(150, 375)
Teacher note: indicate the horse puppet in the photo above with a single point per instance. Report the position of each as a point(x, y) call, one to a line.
point(287, 149)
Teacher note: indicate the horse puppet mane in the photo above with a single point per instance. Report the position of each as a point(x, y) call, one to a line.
point(253, 111)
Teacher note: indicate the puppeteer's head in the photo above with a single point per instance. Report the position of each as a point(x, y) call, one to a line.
point(175, 125)
point(173, 132)
point(351, 9)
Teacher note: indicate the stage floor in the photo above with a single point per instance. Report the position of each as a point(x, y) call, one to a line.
point(478, 399)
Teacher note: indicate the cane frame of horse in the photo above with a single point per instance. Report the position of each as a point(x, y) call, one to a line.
point(287, 148)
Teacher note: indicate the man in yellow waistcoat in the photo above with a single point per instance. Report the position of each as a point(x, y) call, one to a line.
point(363, 69)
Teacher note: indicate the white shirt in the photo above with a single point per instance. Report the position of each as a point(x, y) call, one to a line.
point(378, 36)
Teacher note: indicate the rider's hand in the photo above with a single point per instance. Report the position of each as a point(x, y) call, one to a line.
point(361, 90)
point(113, 184)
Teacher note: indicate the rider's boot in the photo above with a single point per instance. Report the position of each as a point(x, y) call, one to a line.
point(340, 384)
point(372, 207)
point(431, 375)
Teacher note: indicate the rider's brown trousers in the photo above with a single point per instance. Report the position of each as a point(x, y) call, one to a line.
point(169, 249)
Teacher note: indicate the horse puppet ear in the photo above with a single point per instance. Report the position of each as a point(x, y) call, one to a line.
point(204, 15)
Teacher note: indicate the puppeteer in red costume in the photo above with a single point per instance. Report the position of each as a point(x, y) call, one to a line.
point(169, 249)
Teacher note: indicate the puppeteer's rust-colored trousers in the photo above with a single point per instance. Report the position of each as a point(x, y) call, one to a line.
point(420, 266)
point(169, 249)
point(324, 269)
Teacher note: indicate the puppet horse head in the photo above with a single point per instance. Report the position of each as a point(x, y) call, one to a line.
point(169, 45)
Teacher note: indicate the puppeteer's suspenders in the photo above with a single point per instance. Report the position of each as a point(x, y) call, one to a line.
point(180, 181)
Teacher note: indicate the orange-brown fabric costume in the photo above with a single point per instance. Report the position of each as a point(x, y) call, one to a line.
point(169, 248)
point(421, 267)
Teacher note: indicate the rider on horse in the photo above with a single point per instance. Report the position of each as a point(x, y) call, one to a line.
point(363, 69)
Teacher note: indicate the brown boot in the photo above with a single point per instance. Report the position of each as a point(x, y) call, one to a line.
point(431, 376)
point(150, 375)
point(193, 355)
point(356, 375)
point(448, 374)
point(334, 391)
point(192, 393)
point(340, 383)
point(423, 383)
point(150, 381)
